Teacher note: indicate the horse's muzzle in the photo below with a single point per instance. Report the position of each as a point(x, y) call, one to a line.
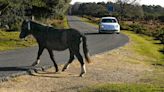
point(21, 37)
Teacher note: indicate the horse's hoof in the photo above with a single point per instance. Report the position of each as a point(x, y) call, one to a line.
point(57, 71)
point(34, 64)
point(81, 75)
point(63, 69)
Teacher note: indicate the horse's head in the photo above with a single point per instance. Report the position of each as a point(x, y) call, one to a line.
point(25, 29)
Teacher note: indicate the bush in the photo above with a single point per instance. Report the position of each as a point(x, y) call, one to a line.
point(11, 17)
point(16, 11)
point(161, 18)
point(139, 29)
point(160, 35)
point(124, 26)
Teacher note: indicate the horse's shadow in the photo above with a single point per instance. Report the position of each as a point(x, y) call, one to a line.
point(32, 71)
point(53, 74)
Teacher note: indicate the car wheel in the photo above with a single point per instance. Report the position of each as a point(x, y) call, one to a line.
point(117, 32)
point(100, 32)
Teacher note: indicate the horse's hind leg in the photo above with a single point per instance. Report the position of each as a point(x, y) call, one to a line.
point(80, 58)
point(38, 57)
point(52, 58)
point(70, 61)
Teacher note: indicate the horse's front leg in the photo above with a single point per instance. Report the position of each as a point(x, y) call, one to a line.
point(52, 58)
point(40, 51)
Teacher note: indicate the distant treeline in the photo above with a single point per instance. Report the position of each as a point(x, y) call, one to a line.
point(130, 11)
point(12, 12)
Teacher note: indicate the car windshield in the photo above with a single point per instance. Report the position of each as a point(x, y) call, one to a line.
point(109, 20)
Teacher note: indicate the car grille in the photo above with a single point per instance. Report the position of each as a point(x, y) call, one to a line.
point(109, 27)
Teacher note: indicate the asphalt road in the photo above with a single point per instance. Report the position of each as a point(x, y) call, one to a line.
point(17, 62)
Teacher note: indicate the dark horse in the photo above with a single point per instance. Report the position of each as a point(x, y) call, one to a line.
point(56, 39)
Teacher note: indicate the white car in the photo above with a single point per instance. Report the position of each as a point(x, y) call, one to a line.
point(109, 25)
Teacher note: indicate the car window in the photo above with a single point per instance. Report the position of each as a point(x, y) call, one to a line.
point(108, 21)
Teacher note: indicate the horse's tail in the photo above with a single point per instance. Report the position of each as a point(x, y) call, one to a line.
point(85, 49)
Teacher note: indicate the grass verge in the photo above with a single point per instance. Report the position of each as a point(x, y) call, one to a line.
point(10, 40)
point(146, 46)
point(122, 88)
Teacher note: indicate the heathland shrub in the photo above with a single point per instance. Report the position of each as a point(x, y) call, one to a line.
point(124, 26)
point(160, 35)
point(15, 11)
point(161, 18)
point(139, 29)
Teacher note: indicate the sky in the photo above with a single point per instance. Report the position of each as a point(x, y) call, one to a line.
point(146, 2)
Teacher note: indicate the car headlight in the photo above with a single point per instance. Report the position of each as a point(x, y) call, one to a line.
point(116, 26)
point(102, 26)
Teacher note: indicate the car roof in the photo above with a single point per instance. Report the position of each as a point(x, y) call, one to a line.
point(108, 18)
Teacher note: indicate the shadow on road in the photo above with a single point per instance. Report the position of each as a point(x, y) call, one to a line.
point(21, 68)
point(14, 69)
point(98, 34)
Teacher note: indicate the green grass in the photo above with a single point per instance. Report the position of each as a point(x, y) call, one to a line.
point(10, 40)
point(146, 46)
point(65, 24)
point(122, 88)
